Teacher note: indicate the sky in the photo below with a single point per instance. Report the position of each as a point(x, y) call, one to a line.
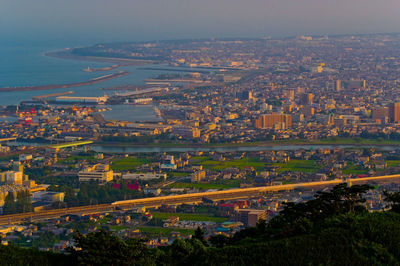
point(138, 20)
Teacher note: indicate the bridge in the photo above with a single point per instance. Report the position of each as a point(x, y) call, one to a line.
point(7, 139)
point(229, 194)
point(68, 144)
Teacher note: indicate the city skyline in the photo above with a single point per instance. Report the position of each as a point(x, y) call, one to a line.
point(149, 20)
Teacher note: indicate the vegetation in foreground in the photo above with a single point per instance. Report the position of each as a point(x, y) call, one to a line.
point(332, 229)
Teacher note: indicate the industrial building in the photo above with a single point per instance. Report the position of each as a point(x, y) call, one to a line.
point(71, 99)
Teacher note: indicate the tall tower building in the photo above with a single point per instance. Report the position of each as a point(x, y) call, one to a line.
point(338, 85)
point(307, 98)
point(290, 95)
point(331, 119)
point(394, 112)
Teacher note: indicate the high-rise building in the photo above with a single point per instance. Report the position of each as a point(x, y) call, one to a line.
point(380, 114)
point(244, 95)
point(307, 98)
point(394, 112)
point(308, 111)
point(338, 85)
point(355, 84)
point(290, 94)
point(331, 119)
point(268, 121)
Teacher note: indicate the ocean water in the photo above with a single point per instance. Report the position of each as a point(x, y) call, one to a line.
point(25, 64)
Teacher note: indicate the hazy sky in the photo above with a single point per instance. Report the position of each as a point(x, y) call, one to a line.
point(105, 20)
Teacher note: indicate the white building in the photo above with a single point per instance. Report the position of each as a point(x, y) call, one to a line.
point(100, 173)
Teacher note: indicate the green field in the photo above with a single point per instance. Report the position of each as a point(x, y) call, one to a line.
point(220, 185)
point(392, 163)
point(199, 159)
point(118, 227)
point(189, 217)
point(178, 174)
point(241, 164)
point(128, 164)
point(327, 141)
point(305, 166)
point(352, 169)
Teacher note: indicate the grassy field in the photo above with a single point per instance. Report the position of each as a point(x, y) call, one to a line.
point(189, 217)
point(331, 141)
point(199, 159)
point(393, 163)
point(305, 166)
point(128, 164)
point(354, 169)
point(241, 164)
point(178, 174)
point(117, 227)
point(225, 185)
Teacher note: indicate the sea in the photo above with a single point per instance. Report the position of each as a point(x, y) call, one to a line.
point(26, 64)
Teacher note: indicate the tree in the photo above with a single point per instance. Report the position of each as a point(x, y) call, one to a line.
point(70, 198)
point(219, 241)
point(393, 199)
point(23, 203)
point(340, 200)
point(185, 252)
point(9, 204)
point(199, 234)
point(103, 248)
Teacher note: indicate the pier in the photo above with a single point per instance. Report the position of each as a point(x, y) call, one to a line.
point(40, 97)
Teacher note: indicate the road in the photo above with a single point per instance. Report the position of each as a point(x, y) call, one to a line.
point(180, 199)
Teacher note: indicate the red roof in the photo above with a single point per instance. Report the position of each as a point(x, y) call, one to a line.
point(129, 186)
point(133, 186)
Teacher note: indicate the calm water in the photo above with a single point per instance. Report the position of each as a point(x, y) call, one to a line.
point(27, 65)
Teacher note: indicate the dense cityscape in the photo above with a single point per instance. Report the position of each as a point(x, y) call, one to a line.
point(244, 133)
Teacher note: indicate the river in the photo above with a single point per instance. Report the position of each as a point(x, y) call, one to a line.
point(151, 149)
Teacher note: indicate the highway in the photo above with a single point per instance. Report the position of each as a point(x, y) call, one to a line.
point(180, 199)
